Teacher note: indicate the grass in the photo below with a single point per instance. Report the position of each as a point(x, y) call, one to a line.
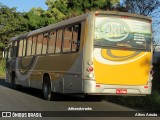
point(150, 102)
point(2, 68)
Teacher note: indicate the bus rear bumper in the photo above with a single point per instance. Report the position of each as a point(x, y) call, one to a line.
point(90, 87)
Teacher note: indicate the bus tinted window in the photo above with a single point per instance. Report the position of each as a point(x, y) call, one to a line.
point(20, 48)
point(34, 45)
point(59, 41)
point(14, 49)
point(39, 44)
point(6, 53)
point(118, 33)
point(45, 41)
point(67, 39)
point(29, 45)
point(76, 38)
point(24, 47)
point(52, 40)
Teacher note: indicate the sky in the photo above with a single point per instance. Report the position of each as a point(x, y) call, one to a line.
point(24, 5)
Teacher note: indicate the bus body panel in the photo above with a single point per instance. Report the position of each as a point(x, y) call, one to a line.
point(133, 70)
point(92, 88)
point(117, 68)
point(65, 78)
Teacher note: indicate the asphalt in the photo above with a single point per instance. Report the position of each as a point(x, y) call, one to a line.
point(29, 99)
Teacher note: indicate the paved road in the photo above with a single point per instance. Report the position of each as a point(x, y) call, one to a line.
point(29, 99)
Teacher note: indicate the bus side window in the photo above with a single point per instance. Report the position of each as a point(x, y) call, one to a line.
point(39, 44)
point(45, 42)
point(52, 40)
point(76, 38)
point(14, 49)
point(24, 47)
point(6, 53)
point(34, 42)
point(67, 39)
point(9, 52)
point(29, 46)
point(20, 48)
point(59, 41)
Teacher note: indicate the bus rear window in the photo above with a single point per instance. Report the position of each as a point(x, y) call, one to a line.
point(114, 31)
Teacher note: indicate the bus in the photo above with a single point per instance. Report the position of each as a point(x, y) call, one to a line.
point(95, 54)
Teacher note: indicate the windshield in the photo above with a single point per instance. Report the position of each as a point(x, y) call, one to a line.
point(122, 32)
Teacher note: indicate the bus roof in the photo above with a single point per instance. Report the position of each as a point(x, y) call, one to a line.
point(75, 20)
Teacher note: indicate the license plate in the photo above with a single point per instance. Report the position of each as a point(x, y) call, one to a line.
point(121, 91)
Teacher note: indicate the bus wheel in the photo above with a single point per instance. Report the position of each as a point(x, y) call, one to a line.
point(47, 88)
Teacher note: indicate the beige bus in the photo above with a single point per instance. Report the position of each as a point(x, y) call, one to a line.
point(95, 54)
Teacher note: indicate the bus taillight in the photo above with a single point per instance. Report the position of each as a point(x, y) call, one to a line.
point(125, 17)
point(96, 14)
point(145, 86)
point(90, 69)
point(98, 86)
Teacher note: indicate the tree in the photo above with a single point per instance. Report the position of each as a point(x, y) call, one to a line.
point(11, 23)
point(142, 7)
point(148, 8)
point(37, 18)
point(62, 9)
point(57, 9)
point(87, 5)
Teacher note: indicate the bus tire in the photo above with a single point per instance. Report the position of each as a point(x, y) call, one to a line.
point(47, 93)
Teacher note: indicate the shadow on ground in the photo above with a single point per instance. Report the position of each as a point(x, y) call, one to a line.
point(64, 97)
point(57, 97)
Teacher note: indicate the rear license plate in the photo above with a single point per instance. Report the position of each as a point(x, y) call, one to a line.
point(121, 91)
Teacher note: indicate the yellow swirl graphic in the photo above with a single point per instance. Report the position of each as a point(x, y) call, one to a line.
point(115, 57)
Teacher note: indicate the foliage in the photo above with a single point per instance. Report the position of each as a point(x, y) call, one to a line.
point(151, 102)
point(156, 76)
point(143, 7)
point(2, 68)
point(37, 18)
point(148, 8)
point(62, 9)
point(57, 9)
point(11, 23)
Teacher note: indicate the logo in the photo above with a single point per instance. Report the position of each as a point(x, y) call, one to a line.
point(6, 114)
point(108, 57)
point(112, 30)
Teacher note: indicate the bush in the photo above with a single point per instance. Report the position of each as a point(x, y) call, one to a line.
point(150, 102)
point(2, 68)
